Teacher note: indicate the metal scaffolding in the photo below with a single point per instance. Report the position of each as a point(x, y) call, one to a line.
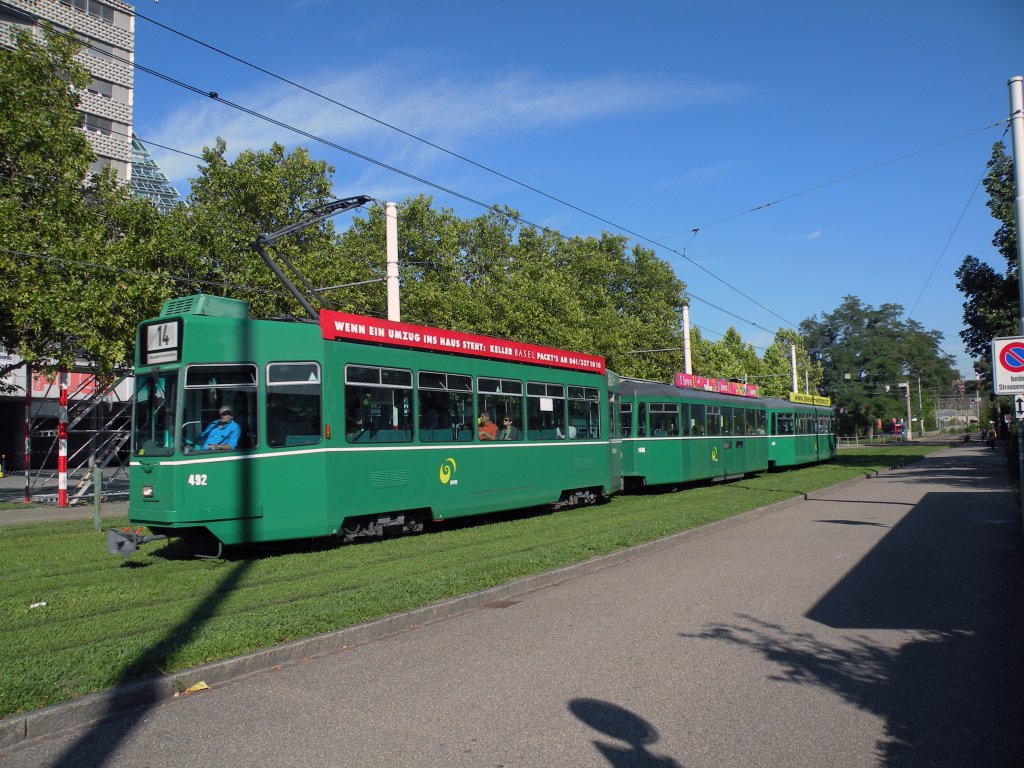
point(91, 431)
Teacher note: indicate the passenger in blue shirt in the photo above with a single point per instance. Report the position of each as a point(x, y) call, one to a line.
point(223, 434)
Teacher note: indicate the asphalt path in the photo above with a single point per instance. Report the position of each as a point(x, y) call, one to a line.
point(877, 624)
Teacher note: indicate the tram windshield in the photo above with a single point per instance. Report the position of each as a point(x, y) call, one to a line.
point(155, 397)
point(212, 390)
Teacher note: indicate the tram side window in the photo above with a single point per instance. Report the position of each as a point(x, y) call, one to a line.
point(584, 413)
point(501, 399)
point(713, 421)
point(729, 428)
point(626, 419)
point(156, 397)
point(752, 421)
point(760, 422)
point(378, 404)
point(783, 423)
point(293, 404)
point(684, 419)
point(664, 419)
point(697, 416)
point(209, 390)
point(545, 411)
point(641, 421)
point(445, 407)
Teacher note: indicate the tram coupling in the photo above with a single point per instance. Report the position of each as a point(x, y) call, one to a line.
point(126, 541)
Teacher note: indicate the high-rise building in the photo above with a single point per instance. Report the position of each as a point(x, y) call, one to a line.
point(107, 31)
point(148, 181)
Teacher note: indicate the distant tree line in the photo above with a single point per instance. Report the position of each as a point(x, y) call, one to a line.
point(82, 262)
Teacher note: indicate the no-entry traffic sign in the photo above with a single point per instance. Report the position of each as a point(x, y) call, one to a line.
point(1008, 365)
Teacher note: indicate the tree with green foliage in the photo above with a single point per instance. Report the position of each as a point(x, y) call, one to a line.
point(775, 377)
point(492, 275)
point(992, 301)
point(79, 265)
point(865, 353)
point(232, 202)
point(732, 358)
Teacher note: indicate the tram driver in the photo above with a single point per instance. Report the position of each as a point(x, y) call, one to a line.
point(223, 434)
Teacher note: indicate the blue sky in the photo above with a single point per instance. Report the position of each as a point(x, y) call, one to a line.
point(658, 116)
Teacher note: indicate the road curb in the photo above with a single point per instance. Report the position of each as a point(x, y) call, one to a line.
point(112, 703)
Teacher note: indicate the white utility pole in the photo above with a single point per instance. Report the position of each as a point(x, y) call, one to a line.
point(910, 431)
point(1017, 133)
point(686, 339)
point(792, 364)
point(391, 230)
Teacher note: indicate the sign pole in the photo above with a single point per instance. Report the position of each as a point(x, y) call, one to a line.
point(1017, 141)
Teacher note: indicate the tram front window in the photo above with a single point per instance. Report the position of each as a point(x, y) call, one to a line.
point(210, 391)
point(153, 418)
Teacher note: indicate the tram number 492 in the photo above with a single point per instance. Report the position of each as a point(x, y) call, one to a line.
point(197, 479)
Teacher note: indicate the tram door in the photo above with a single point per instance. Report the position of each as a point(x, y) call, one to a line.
point(614, 442)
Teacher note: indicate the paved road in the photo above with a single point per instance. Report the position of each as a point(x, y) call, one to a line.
point(880, 624)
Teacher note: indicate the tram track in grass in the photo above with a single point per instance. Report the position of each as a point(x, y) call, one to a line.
point(420, 561)
point(100, 612)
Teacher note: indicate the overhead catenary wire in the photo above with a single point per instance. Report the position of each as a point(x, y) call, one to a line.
point(215, 96)
point(463, 158)
point(949, 239)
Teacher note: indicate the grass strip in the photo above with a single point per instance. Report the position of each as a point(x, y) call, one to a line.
point(108, 622)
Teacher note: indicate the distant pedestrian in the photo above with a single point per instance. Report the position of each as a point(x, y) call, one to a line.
point(991, 439)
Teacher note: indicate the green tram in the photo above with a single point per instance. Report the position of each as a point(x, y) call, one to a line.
point(676, 435)
point(356, 427)
point(802, 431)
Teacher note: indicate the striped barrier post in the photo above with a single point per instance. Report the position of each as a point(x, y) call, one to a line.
point(62, 438)
point(28, 432)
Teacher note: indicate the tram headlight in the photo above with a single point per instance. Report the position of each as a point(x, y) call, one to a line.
point(147, 491)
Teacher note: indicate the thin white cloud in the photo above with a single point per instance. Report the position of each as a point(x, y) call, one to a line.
point(446, 112)
point(811, 235)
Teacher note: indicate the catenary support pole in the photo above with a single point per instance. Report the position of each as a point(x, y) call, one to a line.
point(686, 340)
point(909, 430)
point(391, 231)
point(1017, 135)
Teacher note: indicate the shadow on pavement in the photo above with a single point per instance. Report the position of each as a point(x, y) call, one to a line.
point(949, 575)
point(625, 726)
point(131, 705)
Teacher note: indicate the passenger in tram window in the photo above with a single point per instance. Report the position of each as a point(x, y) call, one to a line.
point(561, 435)
point(508, 430)
point(223, 434)
point(672, 432)
point(486, 429)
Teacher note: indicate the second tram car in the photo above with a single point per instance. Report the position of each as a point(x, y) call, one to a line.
point(802, 432)
point(676, 435)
